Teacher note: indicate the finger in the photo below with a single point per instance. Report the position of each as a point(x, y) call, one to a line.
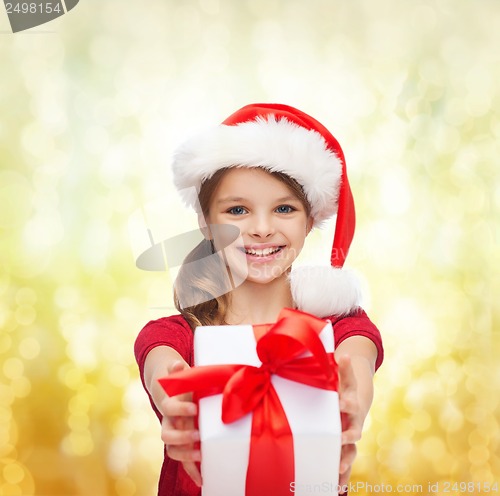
point(193, 472)
point(349, 403)
point(343, 482)
point(184, 453)
point(175, 407)
point(347, 456)
point(350, 436)
point(173, 437)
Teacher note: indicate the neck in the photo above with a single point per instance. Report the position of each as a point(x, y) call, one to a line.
point(253, 303)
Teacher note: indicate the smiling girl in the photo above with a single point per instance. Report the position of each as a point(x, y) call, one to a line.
point(274, 173)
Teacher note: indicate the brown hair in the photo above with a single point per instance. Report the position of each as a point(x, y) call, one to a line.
point(191, 285)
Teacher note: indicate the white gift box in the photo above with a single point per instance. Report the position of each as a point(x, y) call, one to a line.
point(313, 416)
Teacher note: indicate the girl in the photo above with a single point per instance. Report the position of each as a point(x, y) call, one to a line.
point(274, 172)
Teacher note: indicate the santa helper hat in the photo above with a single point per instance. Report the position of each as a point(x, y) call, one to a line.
point(284, 139)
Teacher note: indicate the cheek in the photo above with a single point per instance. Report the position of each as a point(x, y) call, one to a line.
point(298, 239)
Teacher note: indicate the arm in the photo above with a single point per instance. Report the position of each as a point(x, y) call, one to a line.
point(178, 432)
point(356, 357)
point(363, 355)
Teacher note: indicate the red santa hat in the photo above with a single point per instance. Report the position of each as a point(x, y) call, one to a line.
point(282, 138)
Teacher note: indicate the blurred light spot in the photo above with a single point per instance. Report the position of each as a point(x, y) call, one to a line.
point(21, 387)
point(395, 194)
point(423, 17)
point(133, 396)
point(26, 296)
point(445, 247)
point(27, 262)
point(447, 139)
point(119, 456)
point(125, 486)
point(81, 346)
point(78, 444)
point(78, 421)
point(15, 198)
point(104, 283)
point(399, 454)
point(210, 7)
point(6, 394)
point(11, 490)
point(13, 368)
point(71, 376)
point(394, 247)
point(126, 309)
point(451, 418)
point(94, 249)
point(96, 139)
point(431, 70)
point(444, 465)
point(37, 141)
point(479, 455)
point(123, 200)
point(474, 412)
point(148, 445)
point(29, 348)
point(477, 104)
point(456, 52)
point(5, 414)
point(118, 375)
point(44, 230)
point(5, 343)
point(187, 19)
point(67, 296)
point(114, 164)
point(454, 112)
point(102, 49)
point(25, 315)
point(433, 448)
point(490, 428)
point(405, 428)
point(421, 420)
point(13, 473)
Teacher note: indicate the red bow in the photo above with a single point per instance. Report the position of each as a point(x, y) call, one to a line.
point(246, 389)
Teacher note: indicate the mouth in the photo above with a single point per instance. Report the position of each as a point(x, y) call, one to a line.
point(262, 252)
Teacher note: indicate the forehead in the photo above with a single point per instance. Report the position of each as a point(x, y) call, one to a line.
point(246, 179)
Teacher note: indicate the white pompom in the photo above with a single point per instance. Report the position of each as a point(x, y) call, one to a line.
point(325, 290)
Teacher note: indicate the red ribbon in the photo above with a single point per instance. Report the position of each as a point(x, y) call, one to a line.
point(246, 389)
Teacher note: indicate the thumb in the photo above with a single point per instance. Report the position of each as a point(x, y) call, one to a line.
point(346, 373)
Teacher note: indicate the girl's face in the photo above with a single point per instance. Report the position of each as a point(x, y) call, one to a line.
point(273, 223)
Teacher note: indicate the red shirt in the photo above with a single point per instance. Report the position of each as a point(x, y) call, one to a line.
point(174, 331)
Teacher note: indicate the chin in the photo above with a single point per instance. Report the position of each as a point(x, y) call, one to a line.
point(273, 274)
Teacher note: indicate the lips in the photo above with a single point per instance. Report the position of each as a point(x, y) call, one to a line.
point(265, 251)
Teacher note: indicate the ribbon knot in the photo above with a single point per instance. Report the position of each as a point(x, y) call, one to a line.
point(245, 388)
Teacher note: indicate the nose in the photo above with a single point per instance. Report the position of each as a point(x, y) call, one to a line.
point(262, 226)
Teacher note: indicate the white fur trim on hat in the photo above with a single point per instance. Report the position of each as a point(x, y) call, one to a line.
point(325, 290)
point(271, 143)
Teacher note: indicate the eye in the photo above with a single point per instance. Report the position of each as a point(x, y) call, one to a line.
point(285, 209)
point(237, 210)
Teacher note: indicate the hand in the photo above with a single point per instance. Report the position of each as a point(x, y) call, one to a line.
point(351, 417)
point(178, 433)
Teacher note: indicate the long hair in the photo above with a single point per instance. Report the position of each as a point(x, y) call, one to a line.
point(201, 275)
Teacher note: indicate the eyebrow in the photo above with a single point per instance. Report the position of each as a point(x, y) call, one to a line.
point(232, 199)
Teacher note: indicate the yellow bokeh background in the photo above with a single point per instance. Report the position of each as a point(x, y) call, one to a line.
point(92, 106)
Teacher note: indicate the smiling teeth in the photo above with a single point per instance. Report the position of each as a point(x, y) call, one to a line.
point(262, 253)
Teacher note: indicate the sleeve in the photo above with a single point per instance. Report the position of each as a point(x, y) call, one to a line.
point(168, 331)
point(358, 324)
